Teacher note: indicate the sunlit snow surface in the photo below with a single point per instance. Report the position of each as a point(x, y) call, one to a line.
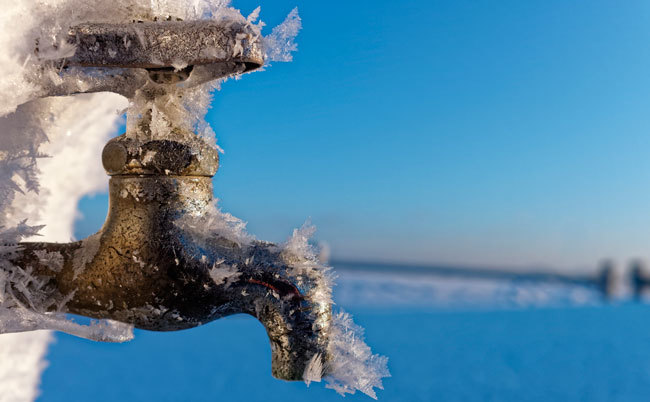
point(490, 349)
point(392, 288)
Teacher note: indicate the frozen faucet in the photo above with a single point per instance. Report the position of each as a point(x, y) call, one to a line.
point(143, 267)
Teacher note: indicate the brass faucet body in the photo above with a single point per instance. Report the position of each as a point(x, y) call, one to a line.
point(146, 269)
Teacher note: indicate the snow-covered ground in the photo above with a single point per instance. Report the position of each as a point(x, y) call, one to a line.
point(589, 352)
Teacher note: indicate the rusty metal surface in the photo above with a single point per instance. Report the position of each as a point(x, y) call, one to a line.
point(127, 156)
point(164, 44)
point(123, 58)
point(144, 269)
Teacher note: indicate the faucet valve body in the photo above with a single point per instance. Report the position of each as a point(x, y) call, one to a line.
point(151, 267)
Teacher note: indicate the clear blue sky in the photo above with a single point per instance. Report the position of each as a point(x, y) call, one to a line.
point(469, 132)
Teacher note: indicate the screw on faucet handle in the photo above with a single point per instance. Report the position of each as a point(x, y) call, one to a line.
point(124, 156)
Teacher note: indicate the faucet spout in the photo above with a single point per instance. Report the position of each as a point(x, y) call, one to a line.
point(149, 268)
point(268, 289)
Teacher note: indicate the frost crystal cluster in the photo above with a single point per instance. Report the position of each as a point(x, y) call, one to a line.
point(48, 161)
point(351, 365)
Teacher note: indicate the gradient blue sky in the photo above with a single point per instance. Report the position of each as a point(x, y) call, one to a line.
point(508, 133)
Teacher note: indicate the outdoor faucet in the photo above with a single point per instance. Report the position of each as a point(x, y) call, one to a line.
point(146, 266)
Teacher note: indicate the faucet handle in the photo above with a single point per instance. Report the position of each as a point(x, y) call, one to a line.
point(123, 58)
point(165, 44)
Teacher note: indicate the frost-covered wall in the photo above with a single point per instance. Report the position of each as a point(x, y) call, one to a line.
point(77, 129)
point(23, 360)
point(71, 132)
point(46, 190)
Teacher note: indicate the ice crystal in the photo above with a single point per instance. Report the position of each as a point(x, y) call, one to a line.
point(215, 223)
point(26, 302)
point(302, 257)
point(51, 259)
point(223, 273)
point(352, 365)
point(313, 370)
point(280, 44)
point(85, 254)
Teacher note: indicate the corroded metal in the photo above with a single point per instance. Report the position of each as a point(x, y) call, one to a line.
point(127, 156)
point(147, 44)
point(123, 58)
point(146, 266)
point(145, 269)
